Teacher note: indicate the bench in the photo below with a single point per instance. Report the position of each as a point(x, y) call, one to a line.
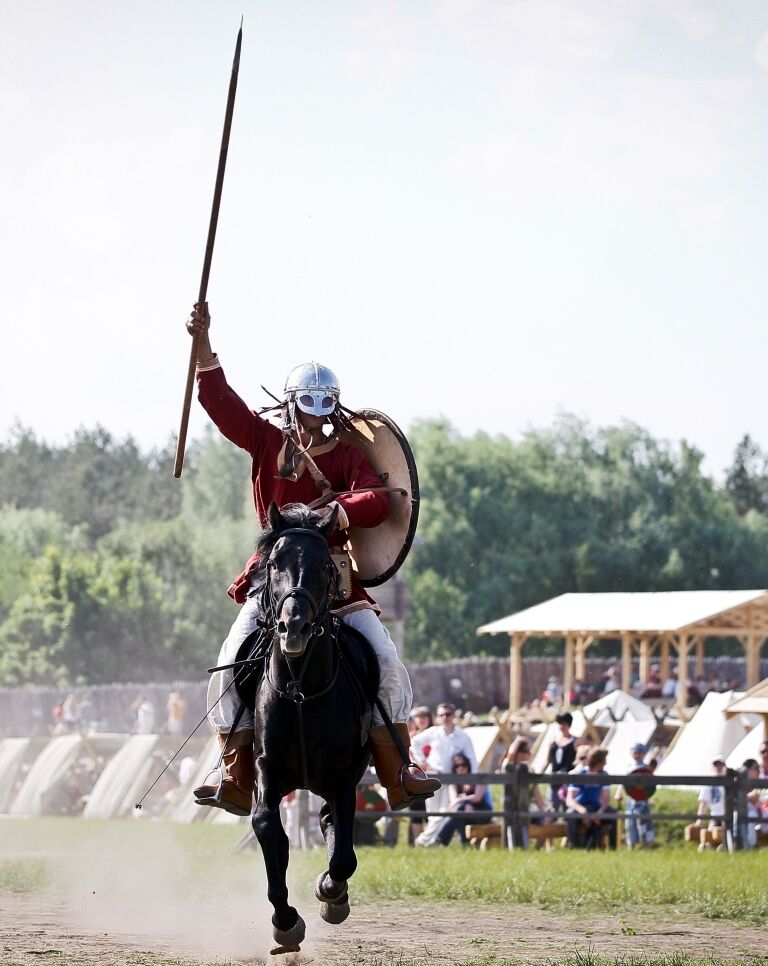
point(713, 838)
point(488, 835)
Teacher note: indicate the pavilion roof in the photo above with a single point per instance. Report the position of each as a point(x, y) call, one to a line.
point(754, 701)
point(612, 614)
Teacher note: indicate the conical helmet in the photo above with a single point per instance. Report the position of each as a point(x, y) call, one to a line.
point(314, 388)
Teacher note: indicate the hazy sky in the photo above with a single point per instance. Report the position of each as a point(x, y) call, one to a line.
point(492, 211)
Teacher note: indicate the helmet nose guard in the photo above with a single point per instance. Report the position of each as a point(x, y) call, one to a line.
point(314, 388)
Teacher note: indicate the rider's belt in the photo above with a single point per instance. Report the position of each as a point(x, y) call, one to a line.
point(343, 564)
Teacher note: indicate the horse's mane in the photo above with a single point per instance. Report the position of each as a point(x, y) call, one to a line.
point(293, 515)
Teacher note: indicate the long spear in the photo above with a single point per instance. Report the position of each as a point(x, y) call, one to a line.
point(180, 446)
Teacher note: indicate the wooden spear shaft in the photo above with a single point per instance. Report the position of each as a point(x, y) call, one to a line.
point(203, 294)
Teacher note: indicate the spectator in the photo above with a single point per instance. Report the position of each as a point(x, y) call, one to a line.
point(669, 688)
point(186, 769)
point(611, 681)
point(70, 717)
point(751, 826)
point(57, 718)
point(144, 711)
point(519, 753)
point(444, 741)
point(85, 711)
point(763, 763)
point(639, 828)
point(712, 800)
point(587, 806)
point(561, 757)
point(175, 709)
point(369, 808)
point(420, 719)
point(553, 693)
point(463, 798)
point(653, 684)
point(576, 694)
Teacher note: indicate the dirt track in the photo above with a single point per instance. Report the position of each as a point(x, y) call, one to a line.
point(46, 930)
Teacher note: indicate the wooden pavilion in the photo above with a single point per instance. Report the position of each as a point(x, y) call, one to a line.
point(755, 701)
point(651, 625)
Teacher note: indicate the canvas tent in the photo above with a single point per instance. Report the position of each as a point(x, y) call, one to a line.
point(708, 734)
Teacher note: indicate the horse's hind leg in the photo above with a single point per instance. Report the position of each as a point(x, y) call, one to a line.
point(288, 926)
point(336, 823)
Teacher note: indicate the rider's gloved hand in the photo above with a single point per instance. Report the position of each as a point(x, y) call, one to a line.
point(198, 324)
point(342, 520)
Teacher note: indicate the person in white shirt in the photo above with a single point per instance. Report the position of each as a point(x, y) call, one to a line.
point(445, 741)
point(712, 800)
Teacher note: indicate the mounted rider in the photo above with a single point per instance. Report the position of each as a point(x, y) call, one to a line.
point(297, 463)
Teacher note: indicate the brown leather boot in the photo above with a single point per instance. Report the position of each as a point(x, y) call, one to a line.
point(405, 784)
point(234, 790)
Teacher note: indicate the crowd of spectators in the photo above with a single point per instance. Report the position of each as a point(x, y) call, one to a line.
point(654, 688)
point(587, 810)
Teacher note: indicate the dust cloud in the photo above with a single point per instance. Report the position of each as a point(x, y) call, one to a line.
point(216, 911)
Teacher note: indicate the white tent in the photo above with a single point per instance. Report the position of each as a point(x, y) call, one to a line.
point(708, 734)
point(12, 752)
point(617, 706)
point(620, 739)
point(747, 747)
point(183, 807)
point(50, 767)
point(120, 784)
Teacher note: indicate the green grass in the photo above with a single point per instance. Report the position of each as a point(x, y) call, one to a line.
point(23, 875)
point(714, 885)
point(37, 853)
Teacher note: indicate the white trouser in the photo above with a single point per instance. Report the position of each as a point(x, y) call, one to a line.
point(395, 690)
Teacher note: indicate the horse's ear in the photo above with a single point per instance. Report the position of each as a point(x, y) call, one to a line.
point(275, 518)
point(330, 521)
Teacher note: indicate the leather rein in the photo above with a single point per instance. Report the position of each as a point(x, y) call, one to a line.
point(294, 690)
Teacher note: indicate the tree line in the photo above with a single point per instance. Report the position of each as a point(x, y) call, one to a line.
point(110, 570)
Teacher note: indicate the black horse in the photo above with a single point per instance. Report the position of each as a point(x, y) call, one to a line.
point(312, 705)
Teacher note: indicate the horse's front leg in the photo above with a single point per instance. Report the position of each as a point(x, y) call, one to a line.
point(337, 822)
point(288, 926)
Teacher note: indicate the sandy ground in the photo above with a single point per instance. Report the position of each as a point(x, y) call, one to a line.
point(55, 931)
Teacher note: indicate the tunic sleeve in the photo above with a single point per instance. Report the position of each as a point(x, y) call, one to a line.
point(363, 509)
point(229, 413)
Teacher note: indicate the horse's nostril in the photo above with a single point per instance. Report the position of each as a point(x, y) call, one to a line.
point(306, 630)
point(282, 627)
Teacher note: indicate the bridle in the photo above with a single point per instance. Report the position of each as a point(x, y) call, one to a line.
point(319, 611)
point(293, 690)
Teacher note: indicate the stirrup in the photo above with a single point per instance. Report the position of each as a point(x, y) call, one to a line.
point(218, 770)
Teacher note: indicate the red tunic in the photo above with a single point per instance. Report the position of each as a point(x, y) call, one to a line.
point(345, 468)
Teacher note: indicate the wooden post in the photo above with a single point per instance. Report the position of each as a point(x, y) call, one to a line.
point(626, 662)
point(516, 670)
point(683, 644)
point(581, 644)
point(568, 669)
point(645, 659)
point(752, 644)
point(664, 661)
point(699, 656)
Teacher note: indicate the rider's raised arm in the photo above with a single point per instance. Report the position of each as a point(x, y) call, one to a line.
point(364, 509)
point(229, 413)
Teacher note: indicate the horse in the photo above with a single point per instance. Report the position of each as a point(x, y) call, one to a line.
point(312, 703)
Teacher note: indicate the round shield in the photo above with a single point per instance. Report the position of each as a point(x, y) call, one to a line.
point(379, 552)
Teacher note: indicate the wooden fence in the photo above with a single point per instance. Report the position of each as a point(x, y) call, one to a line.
point(735, 784)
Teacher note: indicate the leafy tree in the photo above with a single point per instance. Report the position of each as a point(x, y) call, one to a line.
point(747, 478)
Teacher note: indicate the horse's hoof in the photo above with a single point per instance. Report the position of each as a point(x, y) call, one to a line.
point(333, 898)
point(334, 914)
point(289, 940)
